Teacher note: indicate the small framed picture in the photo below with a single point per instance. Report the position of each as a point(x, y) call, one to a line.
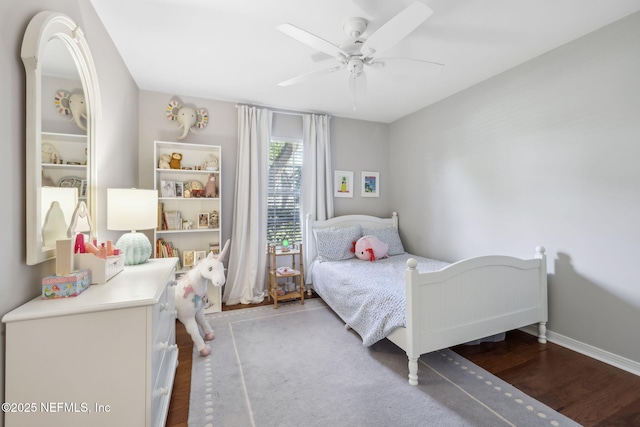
point(179, 189)
point(203, 220)
point(342, 183)
point(200, 255)
point(188, 259)
point(370, 184)
point(168, 188)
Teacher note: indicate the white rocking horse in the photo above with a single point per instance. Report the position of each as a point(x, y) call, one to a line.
point(191, 291)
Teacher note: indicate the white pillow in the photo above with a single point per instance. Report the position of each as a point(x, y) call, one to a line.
point(388, 235)
point(334, 244)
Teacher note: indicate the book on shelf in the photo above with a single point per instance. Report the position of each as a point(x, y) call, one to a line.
point(173, 220)
point(160, 215)
point(166, 249)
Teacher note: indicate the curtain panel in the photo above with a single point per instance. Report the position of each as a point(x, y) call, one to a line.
point(247, 258)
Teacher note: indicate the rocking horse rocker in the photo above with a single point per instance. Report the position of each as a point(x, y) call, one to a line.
point(191, 290)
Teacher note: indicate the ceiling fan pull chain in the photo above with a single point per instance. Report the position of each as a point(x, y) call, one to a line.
point(354, 90)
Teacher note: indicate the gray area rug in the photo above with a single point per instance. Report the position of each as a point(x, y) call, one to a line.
point(299, 366)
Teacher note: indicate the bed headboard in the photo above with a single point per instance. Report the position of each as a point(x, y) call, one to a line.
point(339, 221)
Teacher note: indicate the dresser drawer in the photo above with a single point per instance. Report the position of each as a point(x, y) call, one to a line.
point(162, 386)
point(164, 314)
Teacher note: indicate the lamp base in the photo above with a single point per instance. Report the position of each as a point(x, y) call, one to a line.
point(136, 248)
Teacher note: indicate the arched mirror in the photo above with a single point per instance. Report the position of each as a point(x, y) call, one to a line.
point(63, 104)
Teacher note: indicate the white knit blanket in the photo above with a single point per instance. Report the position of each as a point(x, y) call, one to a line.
point(368, 296)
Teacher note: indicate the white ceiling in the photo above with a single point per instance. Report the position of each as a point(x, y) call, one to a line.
point(230, 50)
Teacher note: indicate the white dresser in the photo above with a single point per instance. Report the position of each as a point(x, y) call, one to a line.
point(104, 358)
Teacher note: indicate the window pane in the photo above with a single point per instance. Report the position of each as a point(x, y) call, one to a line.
point(283, 214)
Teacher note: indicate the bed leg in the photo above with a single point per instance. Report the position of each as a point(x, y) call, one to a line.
point(413, 370)
point(542, 332)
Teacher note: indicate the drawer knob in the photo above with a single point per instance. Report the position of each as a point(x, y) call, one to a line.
point(164, 306)
point(162, 391)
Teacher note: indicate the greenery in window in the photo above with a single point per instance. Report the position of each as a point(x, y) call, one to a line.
point(285, 174)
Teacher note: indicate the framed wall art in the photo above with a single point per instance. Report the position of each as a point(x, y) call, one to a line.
point(342, 183)
point(370, 184)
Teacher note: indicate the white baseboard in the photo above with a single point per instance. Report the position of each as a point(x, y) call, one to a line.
point(588, 350)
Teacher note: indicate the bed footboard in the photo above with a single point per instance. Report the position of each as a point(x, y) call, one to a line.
point(472, 299)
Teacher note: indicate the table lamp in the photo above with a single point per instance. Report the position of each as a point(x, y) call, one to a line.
point(132, 209)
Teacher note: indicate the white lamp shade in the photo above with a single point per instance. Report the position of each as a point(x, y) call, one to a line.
point(131, 209)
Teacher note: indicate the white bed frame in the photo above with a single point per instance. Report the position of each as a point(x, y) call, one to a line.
point(465, 301)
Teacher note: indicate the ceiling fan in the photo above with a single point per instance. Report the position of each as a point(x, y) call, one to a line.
point(357, 52)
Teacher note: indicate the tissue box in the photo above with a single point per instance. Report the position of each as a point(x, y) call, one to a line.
point(67, 285)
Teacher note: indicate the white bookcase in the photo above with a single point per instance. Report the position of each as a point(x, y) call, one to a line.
point(200, 238)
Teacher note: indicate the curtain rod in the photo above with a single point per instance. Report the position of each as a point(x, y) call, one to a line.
point(280, 111)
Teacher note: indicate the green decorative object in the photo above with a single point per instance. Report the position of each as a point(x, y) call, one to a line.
point(136, 248)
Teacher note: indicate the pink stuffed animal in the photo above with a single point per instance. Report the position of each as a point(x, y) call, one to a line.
point(370, 248)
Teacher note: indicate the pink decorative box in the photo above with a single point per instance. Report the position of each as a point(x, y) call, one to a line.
point(67, 285)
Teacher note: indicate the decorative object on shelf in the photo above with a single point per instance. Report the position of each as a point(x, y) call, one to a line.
point(187, 117)
point(214, 219)
point(176, 159)
point(211, 189)
point(164, 162)
point(187, 224)
point(132, 209)
point(50, 154)
point(285, 245)
point(72, 104)
point(190, 292)
point(211, 162)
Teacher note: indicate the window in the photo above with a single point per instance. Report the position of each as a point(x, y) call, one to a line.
point(285, 175)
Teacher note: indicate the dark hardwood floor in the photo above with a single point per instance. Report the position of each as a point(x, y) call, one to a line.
point(590, 392)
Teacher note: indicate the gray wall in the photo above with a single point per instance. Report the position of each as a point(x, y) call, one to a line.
point(544, 154)
point(116, 145)
point(357, 146)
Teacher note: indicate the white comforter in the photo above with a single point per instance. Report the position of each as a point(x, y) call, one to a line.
point(368, 296)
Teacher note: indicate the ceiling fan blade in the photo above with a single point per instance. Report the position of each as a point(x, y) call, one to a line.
point(381, 62)
point(312, 40)
point(396, 28)
point(310, 75)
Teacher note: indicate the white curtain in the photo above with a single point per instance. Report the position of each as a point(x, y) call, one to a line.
point(247, 259)
point(317, 188)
